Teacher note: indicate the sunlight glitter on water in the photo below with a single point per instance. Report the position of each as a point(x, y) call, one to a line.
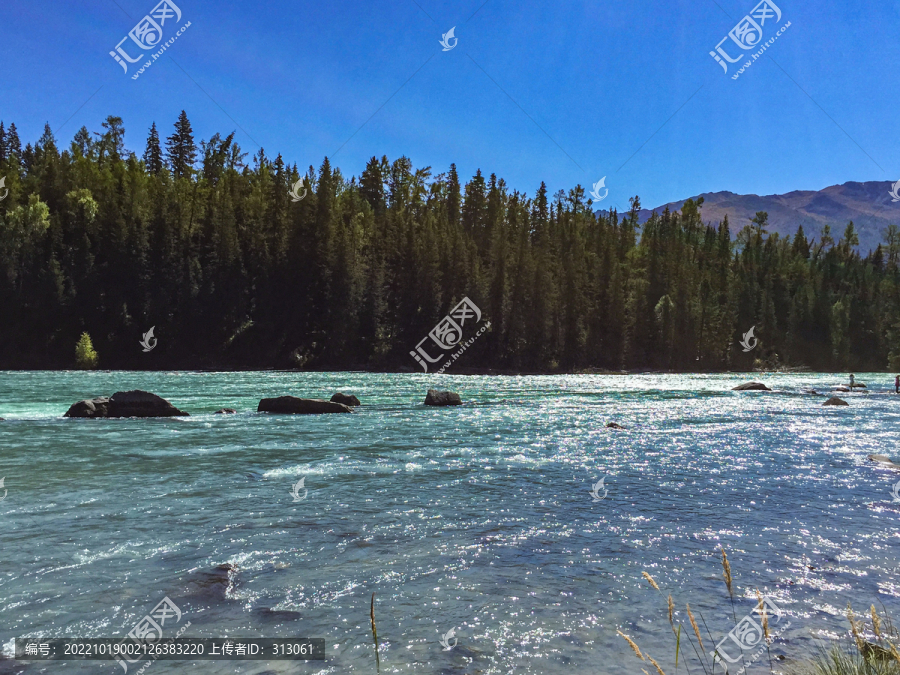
point(478, 518)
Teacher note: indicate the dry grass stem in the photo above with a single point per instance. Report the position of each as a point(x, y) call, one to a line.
point(658, 669)
point(727, 569)
point(876, 622)
point(633, 646)
point(694, 626)
point(762, 613)
point(854, 629)
point(650, 579)
point(671, 612)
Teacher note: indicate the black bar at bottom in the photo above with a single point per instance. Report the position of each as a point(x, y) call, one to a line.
point(171, 649)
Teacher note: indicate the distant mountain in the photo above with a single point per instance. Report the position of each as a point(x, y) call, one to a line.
point(869, 205)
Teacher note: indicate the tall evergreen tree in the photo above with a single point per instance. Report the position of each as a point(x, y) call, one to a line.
point(181, 152)
point(153, 158)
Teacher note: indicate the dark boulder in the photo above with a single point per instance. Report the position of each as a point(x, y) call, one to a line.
point(841, 388)
point(92, 407)
point(435, 397)
point(751, 386)
point(293, 405)
point(613, 425)
point(346, 399)
point(226, 411)
point(141, 404)
point(834, 400)
point(125, 404)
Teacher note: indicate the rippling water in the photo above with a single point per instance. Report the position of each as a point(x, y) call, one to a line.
point(477, 518)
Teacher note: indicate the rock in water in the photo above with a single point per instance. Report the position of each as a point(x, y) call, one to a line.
point(751, 386)
point(293, 405)
point(834, 400)
point(435, 397)
point(841, 388)
point(883, 459)
point(613, 425)
point(92, 407)
point(226, 411)
point(125, 404)
point(141, 404)
point(346, 399)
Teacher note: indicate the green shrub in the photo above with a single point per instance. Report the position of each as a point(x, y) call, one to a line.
point(85, 356)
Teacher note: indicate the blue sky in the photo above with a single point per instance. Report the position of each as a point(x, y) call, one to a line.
point(591, 87)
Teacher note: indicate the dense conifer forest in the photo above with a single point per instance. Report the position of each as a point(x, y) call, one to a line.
point(209, 248)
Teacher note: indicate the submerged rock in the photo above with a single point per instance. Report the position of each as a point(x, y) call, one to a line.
point(226, 411)
point(441, 398)
point(841, 388)
point(751, 386)
point(346, 399)
point(883, 459)
point(134, 403)
point(834, 400)
point(613, 425)
point(292, 405)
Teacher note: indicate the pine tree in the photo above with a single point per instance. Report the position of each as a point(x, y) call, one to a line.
point(181, 152)
point(153, 159)
point(13, 145)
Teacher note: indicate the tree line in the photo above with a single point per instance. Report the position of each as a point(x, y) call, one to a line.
point(233, 270)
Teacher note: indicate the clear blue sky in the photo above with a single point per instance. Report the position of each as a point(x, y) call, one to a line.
point(601, 79)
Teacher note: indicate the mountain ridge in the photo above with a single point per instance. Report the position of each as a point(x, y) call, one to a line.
point(868, 204)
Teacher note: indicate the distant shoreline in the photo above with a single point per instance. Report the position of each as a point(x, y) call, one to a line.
point(461, 371)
